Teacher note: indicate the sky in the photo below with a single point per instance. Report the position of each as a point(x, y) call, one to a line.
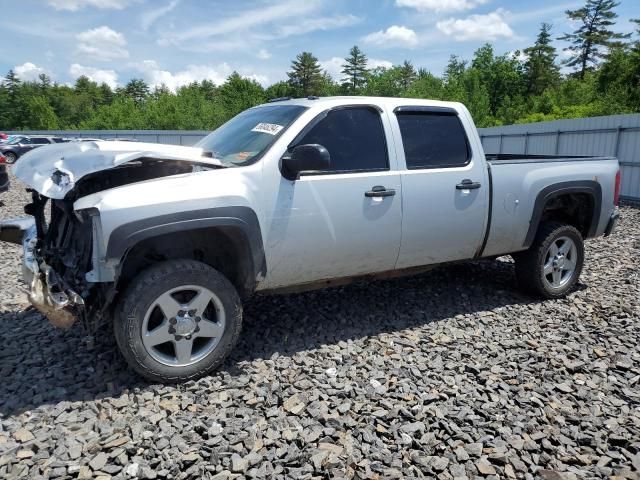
point(176, 42)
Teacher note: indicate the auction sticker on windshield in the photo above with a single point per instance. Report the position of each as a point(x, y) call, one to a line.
point(270, 128)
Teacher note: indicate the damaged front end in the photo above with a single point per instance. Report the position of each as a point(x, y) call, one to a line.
point(59, 242)
point(55, 257)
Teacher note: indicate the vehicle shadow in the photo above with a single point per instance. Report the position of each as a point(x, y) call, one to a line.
point(42, 365)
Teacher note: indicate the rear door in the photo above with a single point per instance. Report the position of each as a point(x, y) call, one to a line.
point(444, 188)
point(343, 221)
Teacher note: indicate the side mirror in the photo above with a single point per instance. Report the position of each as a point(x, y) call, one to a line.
point(305, 158)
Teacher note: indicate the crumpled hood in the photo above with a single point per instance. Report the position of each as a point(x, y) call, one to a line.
point(53, 170)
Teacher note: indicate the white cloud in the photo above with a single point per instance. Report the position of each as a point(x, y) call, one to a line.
point(440, 5)
point(102, 44)
point(477, 27)
point(314, 24)
point(333, 66)
point(75, 5)
point(375, 63)
point(246, 20)
point(95, 74)
point(264, 54)
point(394, 36)
point(28, 72)
point(154, 75)
point(149, 17)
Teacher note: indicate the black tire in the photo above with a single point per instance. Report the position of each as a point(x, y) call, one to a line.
point(142, 294)
point(531, 263)
point(10, 157)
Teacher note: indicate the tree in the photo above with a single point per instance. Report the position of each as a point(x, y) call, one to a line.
point(540, 69)
point(407, 74)
point(305, 76)
point(39, 114)
point(15, 111)
point(137, 90)
point(238, 94)
point(44, 83)
point(591, 40)
point(355, 68)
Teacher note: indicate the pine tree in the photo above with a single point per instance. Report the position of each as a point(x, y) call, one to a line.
point(541, 72)
point(305, 76)
point(407, 74)
point(137, 90)
point(593, 34)
point(355, 68)
point(44, 83)
point(12, 86)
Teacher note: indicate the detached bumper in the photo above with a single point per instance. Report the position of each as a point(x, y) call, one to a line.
point(45, 292)
point(613, 220)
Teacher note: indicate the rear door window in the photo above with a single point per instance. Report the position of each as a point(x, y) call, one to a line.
point(354, 137)
point(433, 140)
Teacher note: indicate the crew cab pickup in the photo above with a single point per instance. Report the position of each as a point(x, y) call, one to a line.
point(165, 241)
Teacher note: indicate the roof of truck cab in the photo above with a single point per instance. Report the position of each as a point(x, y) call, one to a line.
point(357, 100)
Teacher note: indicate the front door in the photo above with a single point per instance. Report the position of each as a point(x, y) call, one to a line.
point(344, 221)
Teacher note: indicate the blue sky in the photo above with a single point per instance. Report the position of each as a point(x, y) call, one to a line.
point(178, 41)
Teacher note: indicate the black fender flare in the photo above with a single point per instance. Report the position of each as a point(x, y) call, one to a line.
point(124, 237)
point(590, 187)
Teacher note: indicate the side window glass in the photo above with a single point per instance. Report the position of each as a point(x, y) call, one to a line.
point(433, 140)
point(354, 138)
point(26, 141)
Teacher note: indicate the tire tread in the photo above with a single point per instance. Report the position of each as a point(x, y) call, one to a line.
point(124, 331)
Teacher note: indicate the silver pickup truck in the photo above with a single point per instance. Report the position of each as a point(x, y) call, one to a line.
point(164, 241)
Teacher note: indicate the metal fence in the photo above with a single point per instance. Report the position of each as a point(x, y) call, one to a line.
point(617, 135)
point(170, 137)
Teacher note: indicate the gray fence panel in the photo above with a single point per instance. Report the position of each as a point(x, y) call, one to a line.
point(617, 135)
point(169, 137)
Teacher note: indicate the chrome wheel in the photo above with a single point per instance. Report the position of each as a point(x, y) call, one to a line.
point(183, 325)
point(560, 262)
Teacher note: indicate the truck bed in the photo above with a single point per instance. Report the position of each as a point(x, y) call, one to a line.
point(516, 181)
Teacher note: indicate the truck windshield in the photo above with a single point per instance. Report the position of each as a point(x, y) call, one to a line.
point(244, 138)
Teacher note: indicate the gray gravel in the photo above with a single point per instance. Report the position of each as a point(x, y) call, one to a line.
point(453, 374)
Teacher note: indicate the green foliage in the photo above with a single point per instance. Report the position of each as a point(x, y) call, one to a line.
point(540, 69)
point(594, 36)
point(39, 114)
point(497, 89)
point(305, 76)
point(355, 69)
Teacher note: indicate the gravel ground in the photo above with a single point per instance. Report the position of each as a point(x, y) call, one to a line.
point(452, 374)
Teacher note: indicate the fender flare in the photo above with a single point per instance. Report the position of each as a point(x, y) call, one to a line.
point(590, 187)
point(124, 237)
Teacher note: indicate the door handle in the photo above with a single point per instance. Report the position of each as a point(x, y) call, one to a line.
point(380, 191)
point(467, 184)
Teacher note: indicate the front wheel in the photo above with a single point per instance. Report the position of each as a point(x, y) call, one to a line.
point(552, 266)
point(10, 157)
point(177, 321)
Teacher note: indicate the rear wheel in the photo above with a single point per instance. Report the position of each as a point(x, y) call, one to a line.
point(177, 321)
point(552, 266)
point(10, 157)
